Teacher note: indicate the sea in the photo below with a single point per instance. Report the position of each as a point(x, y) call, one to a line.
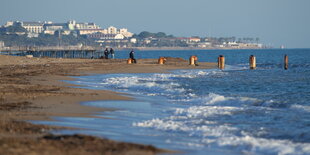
point(234, 111)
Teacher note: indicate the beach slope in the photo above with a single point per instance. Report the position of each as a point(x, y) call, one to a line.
point(31, 89)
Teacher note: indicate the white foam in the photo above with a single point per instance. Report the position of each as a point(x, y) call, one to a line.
point(224, 136)
point(214, 98)
point(144, 82)
point(158, 82)
point(261, 145)
point(163, 125)
point(194, 121)
point(206, 111)
point(301, 107)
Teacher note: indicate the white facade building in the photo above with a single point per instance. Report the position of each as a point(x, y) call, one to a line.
point(112, 30)
point(33, 27)
point(9, 23)
point(73, 25)
point(125, 33)
point(80, 26)
point(92, 31)
point(133, 40)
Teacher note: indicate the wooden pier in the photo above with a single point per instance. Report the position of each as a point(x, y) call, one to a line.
point(55, 51)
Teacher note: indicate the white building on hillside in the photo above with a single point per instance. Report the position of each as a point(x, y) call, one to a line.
point(125, 33)
point(33, 27)
point(9, 23)
point(133, 40)
point(112, 30)
point(92, 31)
point(80, 26)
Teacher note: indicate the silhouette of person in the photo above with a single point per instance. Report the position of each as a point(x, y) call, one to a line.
point(106, 53)
point(112, 53)
point(131, 56)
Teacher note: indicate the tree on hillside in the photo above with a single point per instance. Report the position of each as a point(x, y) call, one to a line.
point(13, 29)
point(160, 35)
point(146, 34)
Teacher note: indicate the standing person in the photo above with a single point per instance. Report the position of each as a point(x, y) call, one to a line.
point(112, 53)
point(131, 56)
point(106, 53)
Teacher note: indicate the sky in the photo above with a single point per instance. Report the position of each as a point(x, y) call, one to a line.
point(275, 22)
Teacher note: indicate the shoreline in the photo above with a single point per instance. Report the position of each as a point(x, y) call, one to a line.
point(187, 48)
point(32, 89)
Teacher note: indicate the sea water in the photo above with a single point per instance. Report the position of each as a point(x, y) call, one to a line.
point(208, 111)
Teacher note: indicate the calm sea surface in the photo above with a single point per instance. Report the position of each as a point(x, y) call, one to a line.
point(232, 111)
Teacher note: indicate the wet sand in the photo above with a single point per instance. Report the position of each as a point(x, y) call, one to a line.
point(31, 89)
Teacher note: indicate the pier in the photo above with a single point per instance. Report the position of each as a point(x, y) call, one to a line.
point(54, 51)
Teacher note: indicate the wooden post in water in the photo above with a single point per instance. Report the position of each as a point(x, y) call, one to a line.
point(196, 60)
point(221, 62)
point(285, 62)
point(129, 61)
point(161, 60)
point(193, 60)
point(252, 62)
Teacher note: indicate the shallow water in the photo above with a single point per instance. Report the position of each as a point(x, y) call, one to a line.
point(233, 111)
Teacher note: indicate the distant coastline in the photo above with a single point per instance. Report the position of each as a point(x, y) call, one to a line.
point(182, 48)
point(97, 48)
point(71, 33)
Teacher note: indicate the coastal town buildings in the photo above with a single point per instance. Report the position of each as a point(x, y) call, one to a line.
point(112, 30)
point(33, 27)
point(51, 28)
point(90, 33)
point(125, 33)
point(133, 40)
point(90, 30)
point(81, 26)
point(9, 23)
point(194, 39)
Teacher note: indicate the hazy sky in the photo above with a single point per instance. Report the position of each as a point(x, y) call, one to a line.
point(275, 22)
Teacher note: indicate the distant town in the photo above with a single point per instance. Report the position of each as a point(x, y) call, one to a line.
point(72, 33)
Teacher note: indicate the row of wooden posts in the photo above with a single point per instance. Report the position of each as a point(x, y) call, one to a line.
point(220, 61)
point(252, 62)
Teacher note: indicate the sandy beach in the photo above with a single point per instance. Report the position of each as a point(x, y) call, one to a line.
point(31, 89)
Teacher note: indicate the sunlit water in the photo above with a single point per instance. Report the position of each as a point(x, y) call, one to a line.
point(234, 111)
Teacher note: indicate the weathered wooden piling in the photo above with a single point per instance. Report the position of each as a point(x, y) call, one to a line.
point(161, 60)
point(252, 62)
point(193, 60)
point(221, 62)
point(129, 61)
point(196, 61)
point(285, 62)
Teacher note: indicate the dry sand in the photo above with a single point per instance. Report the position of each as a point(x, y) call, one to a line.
point(30, 89)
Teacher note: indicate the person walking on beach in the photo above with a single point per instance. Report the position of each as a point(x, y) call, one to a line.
point(131, 56)
point(112, 53)
point(106, 53)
